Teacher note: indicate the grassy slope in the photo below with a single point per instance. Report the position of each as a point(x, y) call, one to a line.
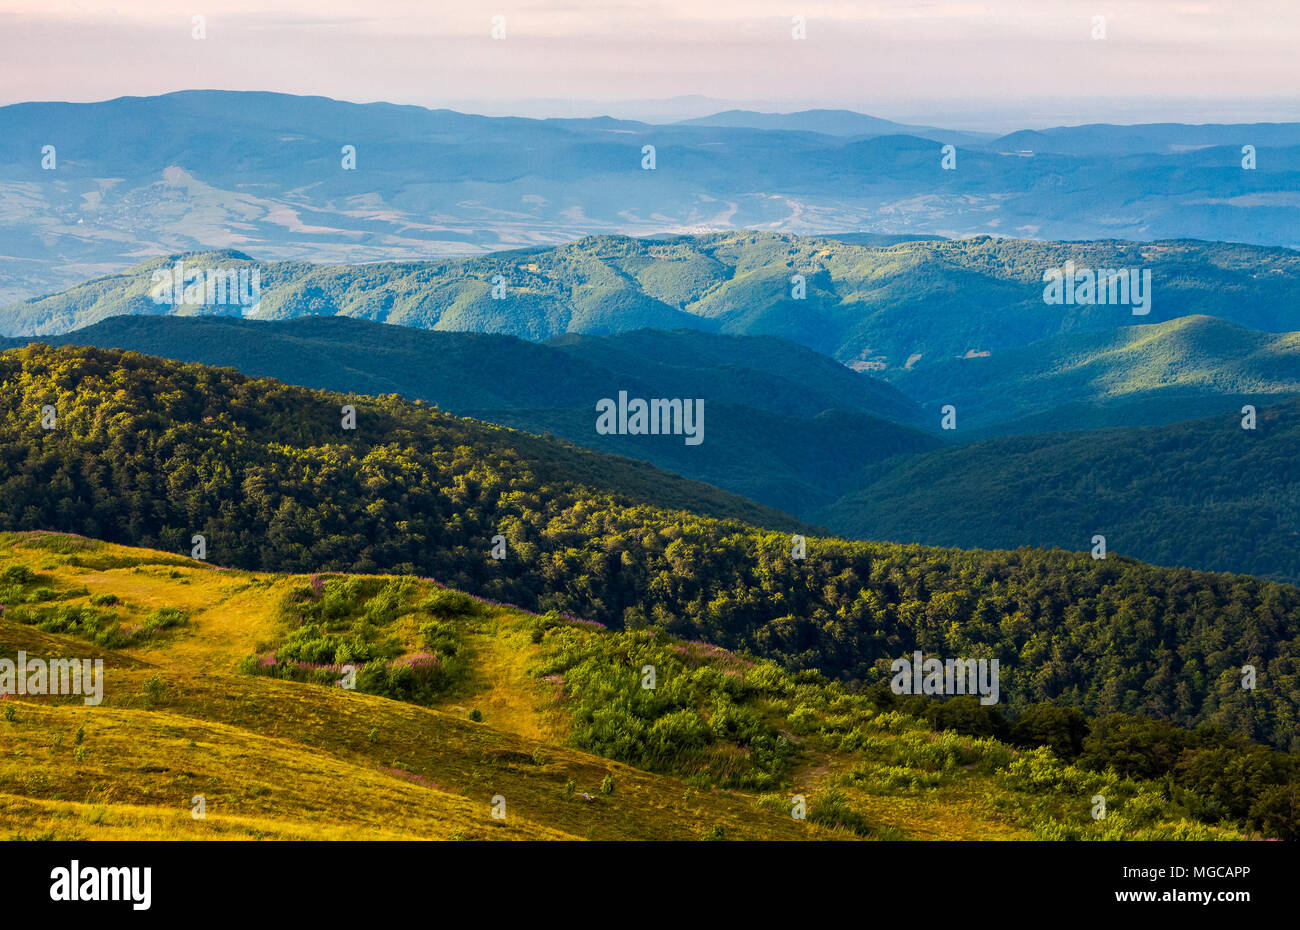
point(284, 760)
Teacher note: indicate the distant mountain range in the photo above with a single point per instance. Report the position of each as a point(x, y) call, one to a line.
point(1100, 139)
point(837, 123)
point(86, 189)
point(883, 309)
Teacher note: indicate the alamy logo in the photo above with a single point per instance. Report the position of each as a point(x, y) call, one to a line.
point(948, 677)
point(657, 417)
point(76, 883)
point(58, 676)
point(181, 286)
point(1118, 286)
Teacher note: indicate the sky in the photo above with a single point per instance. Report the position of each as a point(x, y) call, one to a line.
point(993, 65)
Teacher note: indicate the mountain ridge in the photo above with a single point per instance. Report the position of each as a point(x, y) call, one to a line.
point(870, 306)
point(293, 178)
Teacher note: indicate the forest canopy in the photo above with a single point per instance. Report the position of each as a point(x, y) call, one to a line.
point(151, 452)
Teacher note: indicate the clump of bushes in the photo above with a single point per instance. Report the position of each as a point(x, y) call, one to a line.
point(164, 618)
point(16, 575)
point(102, 627)
point(699, 721)
point(446, 604)
point(831, 808)
point(346, 621)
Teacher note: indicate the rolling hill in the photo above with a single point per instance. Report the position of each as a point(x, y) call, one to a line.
point(1205, 493)
point(1104, 139)
point(880, 309)
point(1184, 369)
point(476, 721)
point(836, 123)
point(783, 425)
point(272, 174)
point(156, 452)
point(800, 434)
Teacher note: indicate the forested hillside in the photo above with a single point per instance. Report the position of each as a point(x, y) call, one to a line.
point(152, 452)
point(797, 432)
point(1205, 493)
point(1141, 375)
point(876, 308)
point(782, 424)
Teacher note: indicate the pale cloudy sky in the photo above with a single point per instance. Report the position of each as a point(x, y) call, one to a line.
point(966, 63)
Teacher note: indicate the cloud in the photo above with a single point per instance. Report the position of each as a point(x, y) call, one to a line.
point(413, 51)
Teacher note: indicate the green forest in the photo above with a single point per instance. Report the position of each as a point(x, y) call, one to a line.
point(151, 452)
point(1206, 493)
point(875, 306)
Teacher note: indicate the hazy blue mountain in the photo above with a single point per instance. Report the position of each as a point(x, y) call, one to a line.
point(781, 423)
point(1184, 369)
point(1098, 139)
point(264, 173)
point(834, 123)
point(883, 309)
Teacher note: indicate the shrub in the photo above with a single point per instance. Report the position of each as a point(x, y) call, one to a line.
point(16, 574)
point(831, 808)
point(164, 619)
point(447, 604)
point(154, 689)
point(441, 637)
point(803, 719)
point(966, 715)
point(418, 678)
point(1133, 746)
point(1060, 729)
point(386, 605)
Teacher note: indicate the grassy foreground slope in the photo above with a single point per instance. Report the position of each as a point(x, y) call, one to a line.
point(533, 712)
point(287, 760)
